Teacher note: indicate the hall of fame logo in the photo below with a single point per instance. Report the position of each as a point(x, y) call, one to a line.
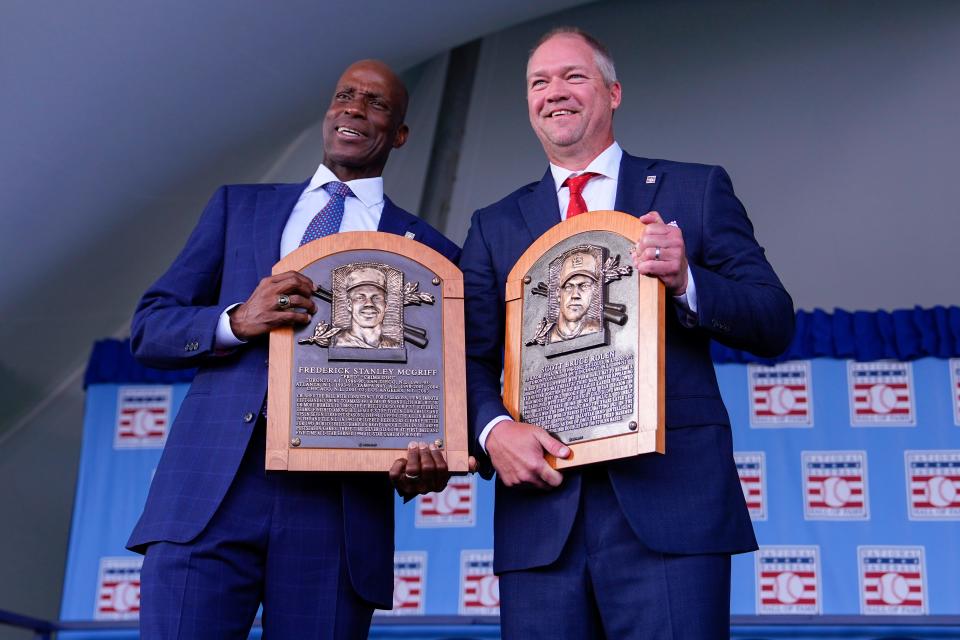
point(955, 389)
point(143, 417)
point(788, 580)
point(455, 506)
point(781, 395)
point(118, 588)
point(881, 394)
point(409, 584)
point(835, 485)
point(752, 470)
point(933, 484)
point(892, 581)
point(479, 587)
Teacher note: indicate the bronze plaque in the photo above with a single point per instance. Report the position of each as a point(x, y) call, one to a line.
point(371, 371)
point(589, 341)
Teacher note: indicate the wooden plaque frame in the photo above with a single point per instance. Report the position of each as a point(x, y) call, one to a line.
point(281, 455)
point(651, 301)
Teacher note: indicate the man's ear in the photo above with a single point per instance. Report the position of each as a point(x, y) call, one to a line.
point(616, 92)
point(401, 137)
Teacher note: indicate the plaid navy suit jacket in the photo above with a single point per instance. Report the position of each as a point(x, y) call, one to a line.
point(234, 245)
point(688, 500)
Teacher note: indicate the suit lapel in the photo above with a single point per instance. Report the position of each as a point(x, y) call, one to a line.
point(637, 185)
point(540, 208)
point(273, 210)
point(395, 220)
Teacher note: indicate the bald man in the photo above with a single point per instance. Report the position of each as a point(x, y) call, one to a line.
point(221, 536)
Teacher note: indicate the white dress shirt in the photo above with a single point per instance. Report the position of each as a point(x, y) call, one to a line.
point(600, 194)
point(361, 212)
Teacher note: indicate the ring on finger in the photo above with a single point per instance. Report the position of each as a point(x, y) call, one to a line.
point(283, 301)
point(656, 254)
point(410, 477)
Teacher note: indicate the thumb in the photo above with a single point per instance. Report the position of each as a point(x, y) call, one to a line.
point(553, 446)
point(651, 217)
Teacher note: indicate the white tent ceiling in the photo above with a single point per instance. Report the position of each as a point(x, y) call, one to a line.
point(117, 115)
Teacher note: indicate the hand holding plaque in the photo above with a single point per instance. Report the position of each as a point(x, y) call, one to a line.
point(379, 365)
point(584, 340)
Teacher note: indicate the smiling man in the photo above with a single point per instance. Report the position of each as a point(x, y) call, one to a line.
point(638, 547)
point(220, 536)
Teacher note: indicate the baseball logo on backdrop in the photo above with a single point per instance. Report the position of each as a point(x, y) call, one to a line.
point(955, 389)
point(118, 588)
point(781, 395)
point(752, 471)
point(143, 417)
point(835, 485)
point(893, 581)
point(409, 584)
point(479, 587)
point(455, 506)
point(788, 580)
point(933, 484)
point(881, 394)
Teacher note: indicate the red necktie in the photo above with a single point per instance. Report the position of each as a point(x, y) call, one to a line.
point(576, 184)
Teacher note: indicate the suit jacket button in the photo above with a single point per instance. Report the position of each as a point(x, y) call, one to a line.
point(248, 417)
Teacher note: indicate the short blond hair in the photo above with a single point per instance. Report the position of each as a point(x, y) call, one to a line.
point(601, 54)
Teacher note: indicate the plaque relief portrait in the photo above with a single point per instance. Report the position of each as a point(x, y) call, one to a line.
point(364, 290)
point(366, 310)
point(577, 290)
point(577, 305)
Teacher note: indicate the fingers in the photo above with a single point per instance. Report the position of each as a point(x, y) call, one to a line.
point(278, 300)
point(397, 470)
point(292, 282)
point(651, 217)
point(423, 471)
point(297, 301)
point(436, 479)
point(428, 469)
point(412, 471)
point(553, 446)
point(472, 465)
point(551, 477)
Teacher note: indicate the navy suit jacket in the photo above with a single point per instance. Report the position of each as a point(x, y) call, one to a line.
point(235, 245)
point(688, 500)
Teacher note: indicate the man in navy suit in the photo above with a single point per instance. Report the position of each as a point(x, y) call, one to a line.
point(638, 547)
point(220, 536)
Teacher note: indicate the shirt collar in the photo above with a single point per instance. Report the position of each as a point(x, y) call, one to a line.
point(368, 190)
point(606, 164)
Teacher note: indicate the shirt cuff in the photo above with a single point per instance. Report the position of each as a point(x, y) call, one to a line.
point(687, 302)
point(224, 339)
point(487, 429)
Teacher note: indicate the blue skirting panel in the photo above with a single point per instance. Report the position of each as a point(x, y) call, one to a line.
point(848, 453)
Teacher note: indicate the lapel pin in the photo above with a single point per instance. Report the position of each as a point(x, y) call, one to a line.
point(409, 234)
point(651, 179)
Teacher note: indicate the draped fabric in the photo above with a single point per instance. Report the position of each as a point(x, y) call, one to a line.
point(905, 334)
point(112, 362)
point(845, 467)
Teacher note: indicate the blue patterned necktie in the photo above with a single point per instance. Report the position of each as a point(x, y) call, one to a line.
point(328, 219)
